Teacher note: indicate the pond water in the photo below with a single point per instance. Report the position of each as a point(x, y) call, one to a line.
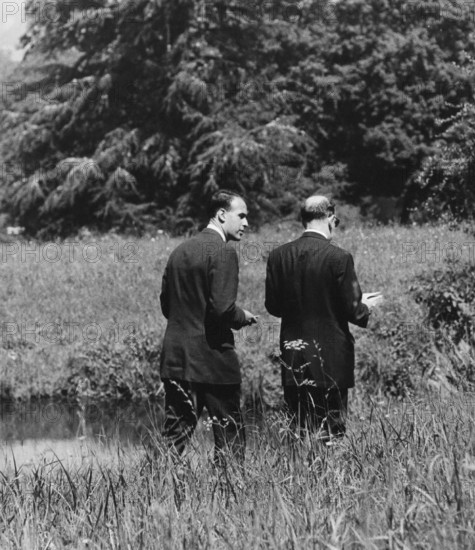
point(38, 431)
point(34, 431)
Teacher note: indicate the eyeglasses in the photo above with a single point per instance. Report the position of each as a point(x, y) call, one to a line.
point(335, 219)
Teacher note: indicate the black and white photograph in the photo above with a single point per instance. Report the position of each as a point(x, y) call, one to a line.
point(237, 274)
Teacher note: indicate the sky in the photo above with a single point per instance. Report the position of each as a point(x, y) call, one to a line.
point(12, 26)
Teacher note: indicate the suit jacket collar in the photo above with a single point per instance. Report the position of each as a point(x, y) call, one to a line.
point(314, 235)
point(219, 230)
point(212, 233)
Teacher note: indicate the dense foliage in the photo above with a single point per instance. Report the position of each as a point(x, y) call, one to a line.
point(130, 113)
point(444, 186)
point(449, 295)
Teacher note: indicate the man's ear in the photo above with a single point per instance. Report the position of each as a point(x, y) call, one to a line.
point(221, 215)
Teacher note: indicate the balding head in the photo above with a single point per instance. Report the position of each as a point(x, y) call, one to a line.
point(316, 207)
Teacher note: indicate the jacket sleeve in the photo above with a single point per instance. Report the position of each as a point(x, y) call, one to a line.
point(272, 302)
point(350, 292)
point(164, 295)
point(223, 287)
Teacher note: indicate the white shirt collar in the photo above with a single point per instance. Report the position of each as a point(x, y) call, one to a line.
point(217, 229)
point(315, 231)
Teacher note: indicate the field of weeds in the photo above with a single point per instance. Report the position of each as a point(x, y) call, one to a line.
point(82, 317)
point(89, 327)
point(404, 477)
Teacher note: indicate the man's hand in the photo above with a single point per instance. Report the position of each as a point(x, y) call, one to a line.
point(250, 318)
point(372, 299)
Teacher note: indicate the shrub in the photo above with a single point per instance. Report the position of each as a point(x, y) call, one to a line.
point(395, 357)
point(126, 372)
point(449, 295)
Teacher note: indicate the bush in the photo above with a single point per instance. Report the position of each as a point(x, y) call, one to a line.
point(395, 358)
point(449, 294)
point(126, 372)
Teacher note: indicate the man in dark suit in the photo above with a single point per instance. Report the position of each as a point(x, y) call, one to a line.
point(312, 285)
point(199, 366)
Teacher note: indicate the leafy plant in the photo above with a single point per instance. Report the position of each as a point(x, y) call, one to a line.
point(129, 372)
point(444, 186)
point(449, 295)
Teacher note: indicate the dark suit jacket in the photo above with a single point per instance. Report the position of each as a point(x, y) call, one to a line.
point(199, 290)
point(312, 285)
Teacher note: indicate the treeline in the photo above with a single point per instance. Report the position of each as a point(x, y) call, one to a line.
point(129, 114)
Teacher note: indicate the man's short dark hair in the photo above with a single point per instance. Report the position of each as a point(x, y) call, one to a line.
point(317, 209)
point(221, 199)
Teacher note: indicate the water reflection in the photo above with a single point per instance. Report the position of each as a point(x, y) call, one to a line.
point(48, 429)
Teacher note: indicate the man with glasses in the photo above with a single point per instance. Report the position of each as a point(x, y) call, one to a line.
point(312, 285)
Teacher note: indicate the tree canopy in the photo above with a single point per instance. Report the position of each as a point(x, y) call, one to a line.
point(130, 113)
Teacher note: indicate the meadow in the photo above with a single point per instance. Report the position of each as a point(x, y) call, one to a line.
point(82, 317)
point(88, 326)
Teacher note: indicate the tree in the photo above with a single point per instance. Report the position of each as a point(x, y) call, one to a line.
point(130, 113)
point(389, 71)
point(444, 186)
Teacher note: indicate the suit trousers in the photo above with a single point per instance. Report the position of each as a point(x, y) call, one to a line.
point(184, 403)
point(316, 409)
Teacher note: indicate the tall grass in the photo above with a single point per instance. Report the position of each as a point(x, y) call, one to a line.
point(404, 477)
